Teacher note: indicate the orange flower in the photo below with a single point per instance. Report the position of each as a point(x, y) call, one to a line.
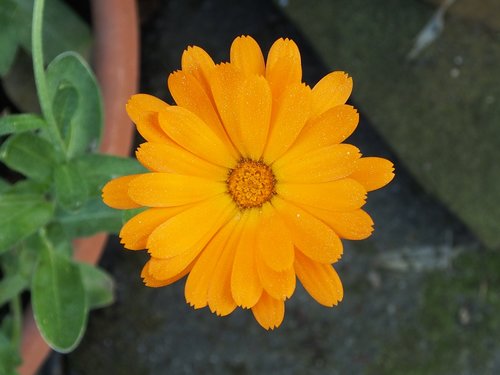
point(250, 183)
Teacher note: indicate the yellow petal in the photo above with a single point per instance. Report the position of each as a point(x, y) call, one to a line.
point(247, 56)
point(166, 269)
point(253, 115)
point(351, 225)
point(160, 157)
point(115, 193)
point(169, 189)
point(143, 110)
point(198, 281)
point(283, 65)
point(320, 280)
point(288, 118)
point(194, 135)
point(198, 63)
point(314, 238)
point(150, 281)
point(189, 93)
point(220, 298)
point(244, 104)
point(332, 90)
point(269, 312)
point(330, 128)
point(322, 165)
point(373, 173)
point(274, 241)
point(134, 234)
point(278, 284)
point(192, 226)
point(245, 284)
point(226, 81)
point(344, 194)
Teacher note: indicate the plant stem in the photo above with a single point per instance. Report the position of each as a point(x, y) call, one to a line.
point(40, 78)
point(15, 306)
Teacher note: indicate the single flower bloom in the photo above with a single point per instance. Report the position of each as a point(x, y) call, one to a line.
point(250, 184)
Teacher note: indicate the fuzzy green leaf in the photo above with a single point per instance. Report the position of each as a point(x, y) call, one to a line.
point(71, 191)
point(59, 300)
point(20, 216)
point(30, 155)
point(99, 286)
point(93, 217)
point(70, 80)
point(8, 37)
point(20, 123)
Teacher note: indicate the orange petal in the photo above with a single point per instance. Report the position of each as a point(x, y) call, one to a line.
point(253, 115)
point(269, 312)
point(332, 90)
point(247, 56)
point(351, 225)
point(274, 242)
point(160, 157)
point(194, 135)
point(198, 63)
point(278, 284)
point(322, 165)
point(220, 298)
point(192, 226)
point(344, 194)
point(245, 284)
point(189, 93)
point(143, 110)
point(289, 116)
point(373, 173)
point(169, 189)
point(199, 278)
point(314, 238)
point(330, 128)
point(244, 104)
point(320, 280)
point(166, 269)
point(154, 283)
point(283, 65)
point(115, 193)
point(135, 233)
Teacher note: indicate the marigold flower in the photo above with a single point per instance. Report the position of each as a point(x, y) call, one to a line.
point(250, 184)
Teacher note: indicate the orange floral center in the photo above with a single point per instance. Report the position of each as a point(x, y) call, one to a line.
point(251, 183)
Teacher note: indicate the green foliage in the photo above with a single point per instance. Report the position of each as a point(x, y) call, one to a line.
point(76, 103)
point(56, 195)
point(59, 299)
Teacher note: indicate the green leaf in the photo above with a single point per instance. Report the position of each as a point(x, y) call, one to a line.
point(70, 189)
point(8, 38)
point(30, 155)
point(70, 80)
point(11, 286)
point(20, 123)
point(97, 169)
point(63, 29)
point(20, 216)
point(59, 300)
point(9, 355)
point(65, 104)
point(99, 286)
point(93, 217)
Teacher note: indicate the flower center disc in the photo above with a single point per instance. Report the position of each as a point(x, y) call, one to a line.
point(251, 183)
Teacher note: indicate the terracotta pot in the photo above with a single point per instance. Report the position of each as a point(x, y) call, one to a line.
point(116, 64)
